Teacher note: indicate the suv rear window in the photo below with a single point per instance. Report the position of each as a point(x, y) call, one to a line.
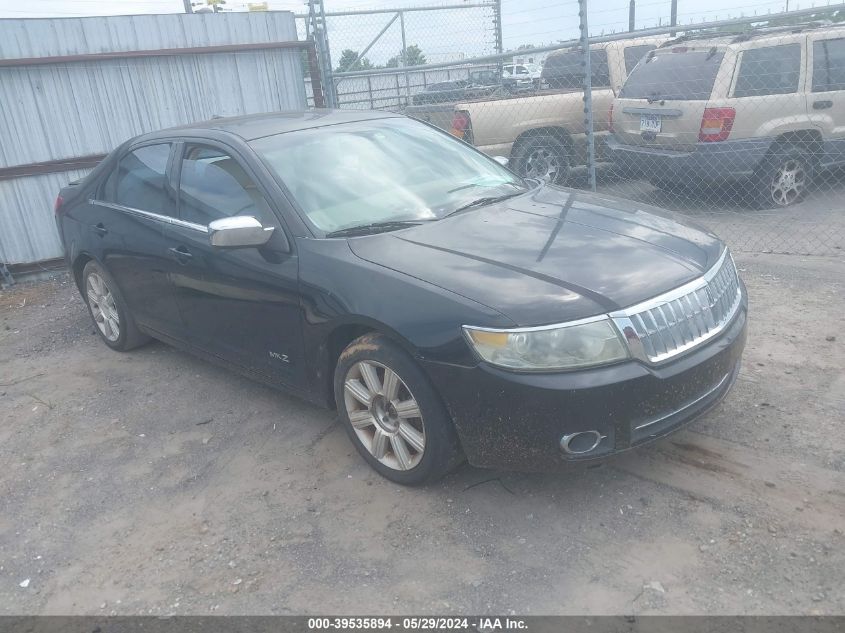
point(686, 76)
point(564, 70)
point(771, 70)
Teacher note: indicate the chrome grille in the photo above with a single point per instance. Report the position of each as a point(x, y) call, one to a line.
point(677, 321)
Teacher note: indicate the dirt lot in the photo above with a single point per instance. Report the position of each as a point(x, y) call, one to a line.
point(152, 482)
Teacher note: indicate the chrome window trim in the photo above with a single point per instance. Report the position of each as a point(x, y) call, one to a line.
point(166, 219)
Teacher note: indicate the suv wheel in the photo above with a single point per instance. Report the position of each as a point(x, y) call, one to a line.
point(783, 178)
point(392, 413)
point(111, 316)
point(545, 158)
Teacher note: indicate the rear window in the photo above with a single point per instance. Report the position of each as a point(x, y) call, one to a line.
point(565, 70)
point(687, 76)
point(771, 70)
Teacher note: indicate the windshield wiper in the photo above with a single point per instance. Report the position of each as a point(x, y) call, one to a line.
point(374, 227)
point(480, 202)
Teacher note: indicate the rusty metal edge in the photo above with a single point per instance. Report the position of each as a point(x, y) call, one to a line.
point(159, 52)
point(50, 166)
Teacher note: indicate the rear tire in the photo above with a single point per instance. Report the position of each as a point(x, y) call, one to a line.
point(783, 178)
point(392, 414)
point(108, 310)
point(544, 157)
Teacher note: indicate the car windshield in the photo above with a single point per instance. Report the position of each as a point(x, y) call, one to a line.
point(671, 75)
point(381, 171)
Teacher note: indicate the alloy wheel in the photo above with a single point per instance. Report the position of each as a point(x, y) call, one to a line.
point(103, 307)
point(384, 415)
point(542, 163)
point(788, 183)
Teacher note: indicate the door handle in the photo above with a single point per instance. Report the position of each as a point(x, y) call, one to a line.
point(822, 105)
point(181, 254)
point(100, 229)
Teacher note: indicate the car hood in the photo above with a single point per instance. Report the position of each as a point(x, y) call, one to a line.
point(550, 255)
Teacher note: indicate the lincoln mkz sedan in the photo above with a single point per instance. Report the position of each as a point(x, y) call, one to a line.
point(446, 307)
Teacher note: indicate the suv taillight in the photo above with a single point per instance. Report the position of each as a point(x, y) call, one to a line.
point(716, 124)
point(57, 208)
point(610, 118)
point(461, 125)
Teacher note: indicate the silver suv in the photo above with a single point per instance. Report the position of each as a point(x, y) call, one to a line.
point(764, 108)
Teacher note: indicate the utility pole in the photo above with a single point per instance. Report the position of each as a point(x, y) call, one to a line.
point(632, 14)
point(188, 7)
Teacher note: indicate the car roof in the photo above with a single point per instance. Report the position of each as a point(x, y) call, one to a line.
point(253, 126)
point(710, 40)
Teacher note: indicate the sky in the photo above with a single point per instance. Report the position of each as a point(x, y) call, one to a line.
point(442, 35)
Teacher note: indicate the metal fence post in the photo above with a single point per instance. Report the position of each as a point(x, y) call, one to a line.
point(317, 16)
point(588, 94)
point(405, 58)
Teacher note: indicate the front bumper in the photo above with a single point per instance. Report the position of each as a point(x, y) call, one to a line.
point(516, 421)
point(723, 161)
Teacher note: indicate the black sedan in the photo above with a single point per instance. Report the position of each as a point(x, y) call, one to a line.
point(449, 309)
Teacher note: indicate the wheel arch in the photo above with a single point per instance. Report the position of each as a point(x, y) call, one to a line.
point(78, 265)
point(809, 140)
point(557, 132)
point(342, 334)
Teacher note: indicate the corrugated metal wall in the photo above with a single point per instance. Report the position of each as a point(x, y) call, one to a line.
point(73, 109)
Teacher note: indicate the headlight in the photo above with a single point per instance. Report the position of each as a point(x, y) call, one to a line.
point(566, 346)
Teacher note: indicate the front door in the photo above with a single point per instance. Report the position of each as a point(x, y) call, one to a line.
point(239, 304)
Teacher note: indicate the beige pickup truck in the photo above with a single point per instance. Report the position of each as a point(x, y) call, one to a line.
point(543, 133)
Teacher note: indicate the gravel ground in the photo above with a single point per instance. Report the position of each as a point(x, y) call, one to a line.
point(152, 482)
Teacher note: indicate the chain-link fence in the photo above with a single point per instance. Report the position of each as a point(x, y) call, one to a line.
point(738, 123)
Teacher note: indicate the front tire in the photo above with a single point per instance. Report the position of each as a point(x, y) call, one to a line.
point(392, 413)
point(108, 310)
point(544, 157)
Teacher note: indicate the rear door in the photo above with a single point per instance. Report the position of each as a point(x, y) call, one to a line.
point(663, 100)
point(826, 95)
point(131, 209)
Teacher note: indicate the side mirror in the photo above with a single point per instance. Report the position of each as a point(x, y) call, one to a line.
point(240, 231)
point(502, 160)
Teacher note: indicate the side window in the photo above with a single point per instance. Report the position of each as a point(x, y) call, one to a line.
point(599, 69)
point(772, 70)
point(140, 180)
point(213, 185)
point(633, 54)
point(566, 69)
point(829, 65)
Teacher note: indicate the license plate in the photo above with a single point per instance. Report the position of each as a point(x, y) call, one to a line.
point(650, 123)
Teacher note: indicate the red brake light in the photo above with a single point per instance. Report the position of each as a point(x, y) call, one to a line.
point(716, 124)
point(610, 118)
point(58, 206)
point(460, 123)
